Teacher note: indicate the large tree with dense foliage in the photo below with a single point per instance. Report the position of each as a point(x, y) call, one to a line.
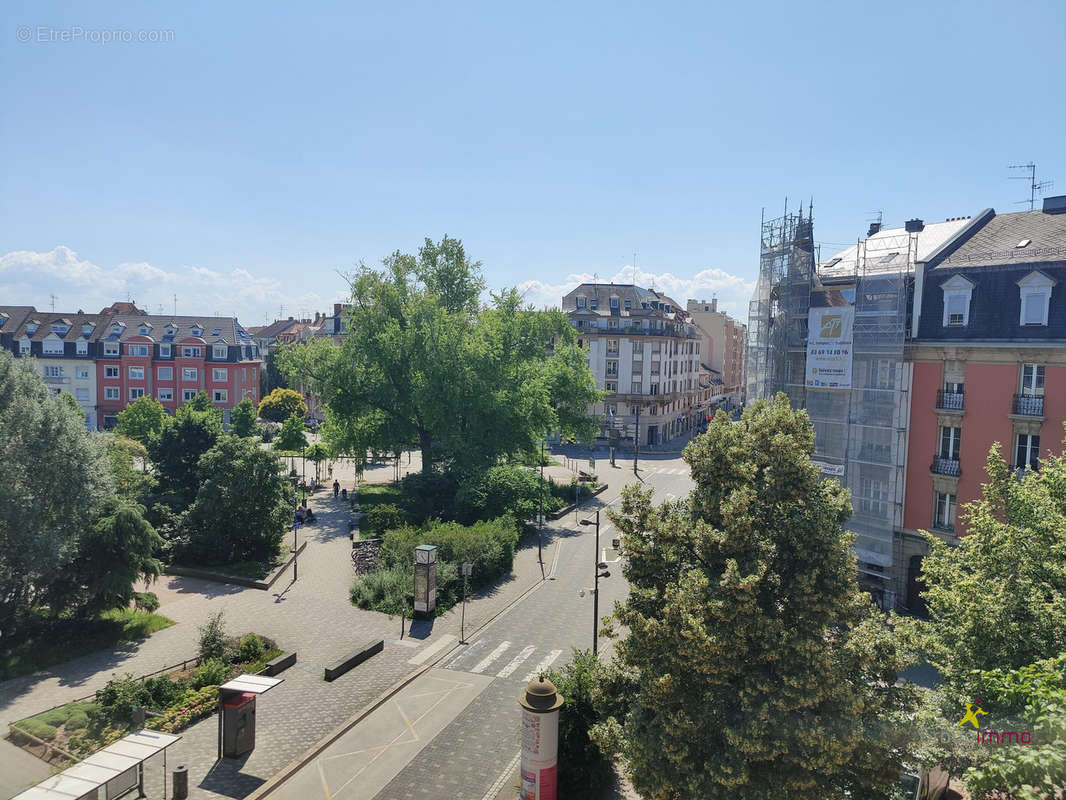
point(291, 437)
point(242, 421)
point(242, 507)
point(176, 453)
point(423, 364)
point(753, 666)
point(281, 404)
point(997, 600)
point(142, 419)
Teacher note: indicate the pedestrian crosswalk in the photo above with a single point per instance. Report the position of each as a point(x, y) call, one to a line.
point(502, 660)
point(666, 470)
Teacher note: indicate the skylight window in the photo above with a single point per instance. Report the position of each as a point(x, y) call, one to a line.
point(888, 259)
point(1022, 243)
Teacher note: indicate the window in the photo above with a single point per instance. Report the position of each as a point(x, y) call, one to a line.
point(944, 512)
point(137, 349)
point(196, 330)
point(220, 395)
point(111, 393)
point(188, 394)
point(81, 395)
point(165, 395)
point(81, 347)
point(629, 305)
point(143, 329)
point(1033, 380)
point(136, 373)
point(31, 328)
point(873, 493)
point(136, 392)
point(638, 351)
point(189, 374)
point(244, 374)
point(612, 324)
point(957, 293)
point(219, 351)
point(634, 410)
point(1027, 451)
point(950, 439)
point(612, 347)
point(191, 352)
point(53, 372)
point(581, 302)
point(636, 387)
point(86, 330)
point(110, 372)
point(593, 303)
point(219, 375)
point(24, 346)
point(52, 347)
point(111, 349)
point(655, 367)
point(164, 373)
point(655, 388)
point(1035, 292)
point(82, 372)
point(653, 411)
point(611, 386)
point(612, 369)
point(614, 303)
point(164, 351)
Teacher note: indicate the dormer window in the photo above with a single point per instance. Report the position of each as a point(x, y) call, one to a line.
point(614, 303)
point(581, 302)
point(116, 328)
point(144, 329)
point(593, 303)
point(86, 330)
point(197, 330)
point(31, 328)
point(629, 305)
point(218, 351)
point(1035, 292)
point(24, 346)
point(957, 292)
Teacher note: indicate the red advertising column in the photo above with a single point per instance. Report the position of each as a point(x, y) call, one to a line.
point(540, 740)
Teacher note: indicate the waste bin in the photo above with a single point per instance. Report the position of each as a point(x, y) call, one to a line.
point(180, 780)
point(238, 725)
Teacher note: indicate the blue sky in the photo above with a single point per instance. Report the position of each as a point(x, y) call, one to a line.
point(256, 151)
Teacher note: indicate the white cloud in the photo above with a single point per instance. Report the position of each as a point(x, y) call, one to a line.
point(30, 278)
point(732, 291)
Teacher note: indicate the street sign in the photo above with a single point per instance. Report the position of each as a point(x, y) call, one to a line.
point(468, 570)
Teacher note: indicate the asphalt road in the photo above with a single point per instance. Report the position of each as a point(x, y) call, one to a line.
point(454, 731)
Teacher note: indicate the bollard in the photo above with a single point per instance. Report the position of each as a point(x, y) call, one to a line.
point(181, 782)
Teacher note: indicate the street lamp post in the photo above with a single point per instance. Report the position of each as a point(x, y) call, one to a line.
point(540, 516)
point(596, 585)
point(636, 441)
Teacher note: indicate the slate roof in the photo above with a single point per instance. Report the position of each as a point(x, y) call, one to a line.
point(275, 327)
point(997, 241)
point(212, 329)
point(12, 317)
point(637, 295)
point(73, 322)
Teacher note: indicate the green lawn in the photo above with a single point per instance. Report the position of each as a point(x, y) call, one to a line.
point(374, 494)
point(66, 639)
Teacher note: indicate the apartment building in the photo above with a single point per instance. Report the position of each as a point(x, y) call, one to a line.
point(172, 359)
point(724, 346)
point(644, 352)
point(107, 360)
point(989, 365)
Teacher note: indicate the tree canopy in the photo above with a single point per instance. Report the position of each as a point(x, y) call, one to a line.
point(242, 421)
point(281, 404)
point(752, 661)
point(291, 438)
point(142, 419)
point(176, 453)
point(423, 364)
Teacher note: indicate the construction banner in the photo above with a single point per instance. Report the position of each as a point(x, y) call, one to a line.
point(829, 334)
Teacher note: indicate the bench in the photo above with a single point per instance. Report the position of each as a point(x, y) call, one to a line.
point(362, 653)
point(279, 664)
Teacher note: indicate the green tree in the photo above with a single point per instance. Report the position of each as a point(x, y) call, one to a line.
point(316, 454)
point(55, 482)
point(281, 404)
point(142, 419)
point(421, 364)
point(998, 599)
point(584, 770)
point(113, 554)
point(242, 421)
point(291, 438)
point(132, 485)
point(201, 402)
point(243, 505)
point(753, 663)
point(72, 404)
point(270, 377)
point(176, 453)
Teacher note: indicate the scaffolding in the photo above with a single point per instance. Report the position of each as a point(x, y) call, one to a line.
point(860, 428)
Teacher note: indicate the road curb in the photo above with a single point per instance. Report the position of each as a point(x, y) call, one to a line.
point(293, 767)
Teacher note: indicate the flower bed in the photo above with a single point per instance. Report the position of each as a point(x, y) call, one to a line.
point(174, 701)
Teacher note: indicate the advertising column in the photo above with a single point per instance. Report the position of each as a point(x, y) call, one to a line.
point(540, 740)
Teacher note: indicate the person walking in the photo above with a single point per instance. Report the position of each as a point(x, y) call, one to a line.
point(336, 489)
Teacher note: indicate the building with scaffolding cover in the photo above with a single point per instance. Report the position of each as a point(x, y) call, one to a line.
point(831, 334)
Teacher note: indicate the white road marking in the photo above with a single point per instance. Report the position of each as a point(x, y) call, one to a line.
point(518, 659)
point(483, 664)
point(444, 641)
point(470, 647)
point(543, 665)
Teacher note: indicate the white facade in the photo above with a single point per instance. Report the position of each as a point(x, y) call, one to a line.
point(76, 377)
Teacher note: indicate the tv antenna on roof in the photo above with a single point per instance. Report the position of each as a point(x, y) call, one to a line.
point(1035, 187)
point(53, 303)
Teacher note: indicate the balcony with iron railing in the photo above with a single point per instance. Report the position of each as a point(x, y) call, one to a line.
point(1028, 405)
point(945, 465)
point(948, 401)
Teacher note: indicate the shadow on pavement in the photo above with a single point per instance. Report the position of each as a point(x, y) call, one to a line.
point(226, 778)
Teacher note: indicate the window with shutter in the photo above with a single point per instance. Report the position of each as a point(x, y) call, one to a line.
point(956, 310)
point(1034, 311)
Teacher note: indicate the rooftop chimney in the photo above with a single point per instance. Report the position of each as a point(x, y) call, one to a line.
point(1055, 205)
point(914, 226)
point(714, 304)
point(875, 227)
